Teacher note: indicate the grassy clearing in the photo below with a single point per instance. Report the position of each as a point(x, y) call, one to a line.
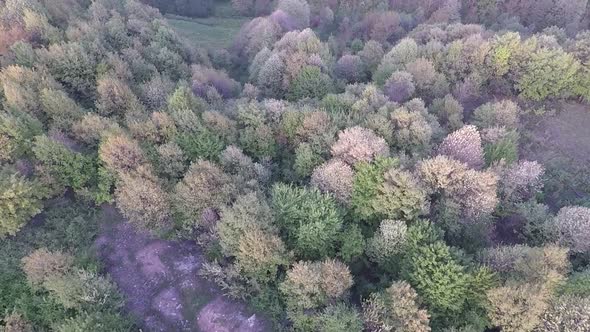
point(210, 32)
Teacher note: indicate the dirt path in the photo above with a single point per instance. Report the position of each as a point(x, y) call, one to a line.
point(161, 284)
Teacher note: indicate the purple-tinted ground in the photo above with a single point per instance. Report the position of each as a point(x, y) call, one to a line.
point(160, 282)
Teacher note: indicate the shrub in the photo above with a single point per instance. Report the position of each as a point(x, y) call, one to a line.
point(310, 220)
point(465, 146)
point(21, 201)
point(204, 186)
point(310, 82)
point(399, 87)
point(395, 309)
point(335, 177)
point(358, 144)
point(573, 228)
point(505, 149)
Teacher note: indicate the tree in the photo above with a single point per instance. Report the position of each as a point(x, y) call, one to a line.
point(504, 113)
point(310, 82)
point(567, 313)
point(387, 244)
point(358, 144)
point(411, 130)
point(399, 87)
point(143, 202)
point(395, 309)
point(115, 98)
point(260, 254)
point(41, 265)
point(248, 212)
point(339, 317)
point(401, 54)
point(270, 78)
point(20, 200)
point(309, 220)
point(350, 68)
point(549, 73)
point(68, 168)
point(120, 154)
point(572, 224)
point(16, 323)
point(311, 285)
point(472, 191)
point(204, 186)
point(439, 279)
point(449, 112)
point(465, 146)
point(298, 10)
point(335, 177)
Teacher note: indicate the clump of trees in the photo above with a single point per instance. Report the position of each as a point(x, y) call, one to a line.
point(336, 152)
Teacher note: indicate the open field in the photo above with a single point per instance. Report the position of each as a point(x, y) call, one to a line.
point(210, 32)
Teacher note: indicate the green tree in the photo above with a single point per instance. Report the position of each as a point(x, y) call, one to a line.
point(439, 279)
point(309, 83)
point(20, 200)
point(310, 221)
point(549, 73)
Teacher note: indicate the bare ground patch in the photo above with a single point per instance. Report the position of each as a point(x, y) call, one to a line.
point(160, 282)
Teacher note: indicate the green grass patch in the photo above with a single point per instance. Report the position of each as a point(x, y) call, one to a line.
point(210, 32)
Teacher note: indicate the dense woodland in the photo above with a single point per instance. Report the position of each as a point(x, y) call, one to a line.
point(345, 165)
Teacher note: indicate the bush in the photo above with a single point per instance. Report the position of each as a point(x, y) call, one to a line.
point(310, 220)
point(395, 309)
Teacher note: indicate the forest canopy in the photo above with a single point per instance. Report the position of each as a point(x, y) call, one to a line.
point(342, 166)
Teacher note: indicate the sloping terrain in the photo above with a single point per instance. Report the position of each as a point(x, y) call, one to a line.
point(160, 282)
